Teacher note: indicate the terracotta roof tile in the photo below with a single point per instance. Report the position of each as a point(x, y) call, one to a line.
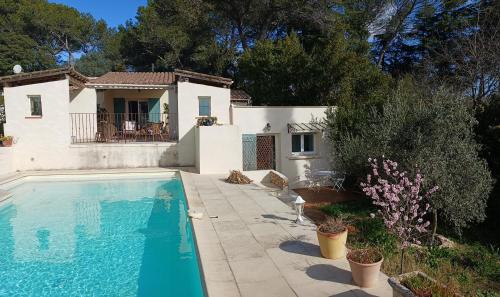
point(43, 75)
point(135, 78)
point(239, 95)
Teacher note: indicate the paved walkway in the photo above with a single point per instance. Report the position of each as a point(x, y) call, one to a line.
point(250, 246)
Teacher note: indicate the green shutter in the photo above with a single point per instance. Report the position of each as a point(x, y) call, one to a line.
point(119, 111)
point(154, 110)
point(249, 151)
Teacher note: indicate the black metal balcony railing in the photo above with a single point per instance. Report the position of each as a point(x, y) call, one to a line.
point(123, 127)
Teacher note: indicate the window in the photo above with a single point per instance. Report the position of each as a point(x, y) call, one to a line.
point(303, 143)
point(35, 106)
point(204, 107)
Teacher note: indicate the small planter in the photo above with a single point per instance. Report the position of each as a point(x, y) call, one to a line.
point(332, 238)
point(365, 270)
point(7, 141)
point(332, 245)
point(400, 290)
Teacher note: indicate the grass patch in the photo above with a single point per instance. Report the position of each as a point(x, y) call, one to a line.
point(351, 209)
point(473, 269)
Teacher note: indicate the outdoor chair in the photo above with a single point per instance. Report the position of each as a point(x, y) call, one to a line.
point(156, 131)
point(106, 132)
point(129, 129)
point(338, 181)
point(335, 177)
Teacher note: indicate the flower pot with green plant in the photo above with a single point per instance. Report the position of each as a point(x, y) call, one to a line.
point(332, 237)
point(400, 202)
point(6, 140)
point(365, 266)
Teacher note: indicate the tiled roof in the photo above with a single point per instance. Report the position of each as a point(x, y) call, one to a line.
point(44, 75)
point(196, 76)
point(157, 78)
point(135, 78)
point(239, 95)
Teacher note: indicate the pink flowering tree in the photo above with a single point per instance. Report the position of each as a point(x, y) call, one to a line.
point(401, 204)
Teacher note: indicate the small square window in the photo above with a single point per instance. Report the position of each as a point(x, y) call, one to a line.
point(204, 107)
point(303, 143)
point(35, 106)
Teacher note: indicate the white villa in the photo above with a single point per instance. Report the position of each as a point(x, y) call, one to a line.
point(60, 119)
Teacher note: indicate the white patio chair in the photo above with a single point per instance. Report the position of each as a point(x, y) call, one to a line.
point(335, 177)
point(129, 128)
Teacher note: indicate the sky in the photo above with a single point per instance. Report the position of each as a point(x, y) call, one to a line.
point(114, 12)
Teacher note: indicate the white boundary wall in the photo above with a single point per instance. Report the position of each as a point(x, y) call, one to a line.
point(6, 161)
point(218, 149)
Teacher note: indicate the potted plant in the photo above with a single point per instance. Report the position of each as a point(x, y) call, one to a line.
point(206, 121)
point(332, 237)
point(365, 266)
point(419, 284)
point(401, 205)
point(6, 140)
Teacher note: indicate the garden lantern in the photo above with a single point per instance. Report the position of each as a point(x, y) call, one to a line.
point(299, 208)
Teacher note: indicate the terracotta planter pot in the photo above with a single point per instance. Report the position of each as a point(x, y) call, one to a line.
point(7, 142)
point(332, 246)
point(365, 275)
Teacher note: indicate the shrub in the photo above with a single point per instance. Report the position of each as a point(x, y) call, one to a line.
point(401, 205)
point(433, 131)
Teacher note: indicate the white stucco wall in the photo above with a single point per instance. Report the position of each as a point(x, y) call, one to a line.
point(218, 149)
point(253, 119)
point(41, 140)
point(83, 101)
point(6, 161)
point(188, 94)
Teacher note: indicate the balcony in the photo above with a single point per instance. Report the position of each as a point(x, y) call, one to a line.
point(123, 127)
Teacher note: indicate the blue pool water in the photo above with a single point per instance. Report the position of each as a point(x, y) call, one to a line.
point(98, 238)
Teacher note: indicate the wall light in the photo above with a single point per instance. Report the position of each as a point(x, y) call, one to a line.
point(267, 128)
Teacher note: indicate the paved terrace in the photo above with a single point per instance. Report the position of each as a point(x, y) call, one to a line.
point(249, 245)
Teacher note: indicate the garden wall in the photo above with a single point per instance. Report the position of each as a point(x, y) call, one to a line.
point(6, 161)
point(218, 149)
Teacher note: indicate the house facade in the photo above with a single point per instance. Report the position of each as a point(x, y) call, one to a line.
point(60, 119)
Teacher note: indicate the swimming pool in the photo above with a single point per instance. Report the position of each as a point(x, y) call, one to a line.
point(98, 238)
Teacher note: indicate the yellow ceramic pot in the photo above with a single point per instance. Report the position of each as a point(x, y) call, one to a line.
point(332, 246)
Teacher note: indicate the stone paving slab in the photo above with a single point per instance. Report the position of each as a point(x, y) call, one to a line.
point(249, 245)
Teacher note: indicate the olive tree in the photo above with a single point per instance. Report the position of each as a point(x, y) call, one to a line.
point(429, 130)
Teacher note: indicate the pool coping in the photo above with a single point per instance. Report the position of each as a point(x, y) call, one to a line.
point(227, 270)
point(16, 176)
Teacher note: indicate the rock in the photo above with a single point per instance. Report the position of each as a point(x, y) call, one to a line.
point(445, 242)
